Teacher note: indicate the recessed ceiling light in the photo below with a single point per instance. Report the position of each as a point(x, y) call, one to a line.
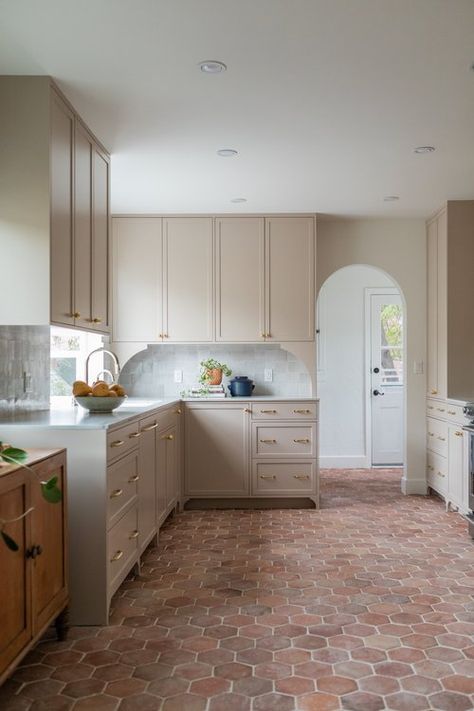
point(424, 149)
point(227, 152)
point(212, 66)
point(239, 200)
point(391, 198)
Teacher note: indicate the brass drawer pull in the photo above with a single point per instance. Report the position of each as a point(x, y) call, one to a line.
point(134, 478)
point(268, 476)
point(116, 556)
point(443, 439)
point(170, 436)
point(302, 441)
point(304, 477)
point(440, 409)
point(440, 474)
point(458, 434)
point(178, 411)
point(247, 409)
point(150, 427)
point(75, 314)
point(116, 493)
point(451, 412)
point(96, 320)
point(134, 534)
point(430, 407)
point(135, 435)
point(117, 443)
point(430, 467)
point(268, 441)
point(271, 412)
point(434, 391)
point(430, 434)
point(302, 412)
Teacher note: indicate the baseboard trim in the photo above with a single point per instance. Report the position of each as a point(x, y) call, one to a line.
point(414, 486)
point(349, 462)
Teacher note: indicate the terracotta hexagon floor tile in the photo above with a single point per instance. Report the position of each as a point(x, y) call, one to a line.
point(405, 701)
point(463, 684)
point(273, 702)
point(272, 670)
point(210, 686)
point(42, 688)
point(233, 670)
point(193, 670)
point(379, 684)
point(84, 687)
point(169, 686)
point(252, 686)
point(420, 684)
point(337, 685)
point(450, 701)
point(226, 702)
point(318, 702)
point(125, 687)
point(313, 670)
point(353, 670)
point(99, 702)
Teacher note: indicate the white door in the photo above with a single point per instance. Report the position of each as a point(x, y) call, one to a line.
point(386, 377)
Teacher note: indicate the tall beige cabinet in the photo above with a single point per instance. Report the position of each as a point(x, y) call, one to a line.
point(55, 172)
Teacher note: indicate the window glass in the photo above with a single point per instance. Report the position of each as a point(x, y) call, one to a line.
point(69, 350)
point(391, 316)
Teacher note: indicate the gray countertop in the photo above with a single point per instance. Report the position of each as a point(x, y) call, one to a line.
point(75, 417)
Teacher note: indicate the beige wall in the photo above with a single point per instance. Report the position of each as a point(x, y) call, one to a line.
point(399, 248)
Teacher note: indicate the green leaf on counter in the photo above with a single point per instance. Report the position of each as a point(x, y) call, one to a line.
point(9, 542)
point(14, 455)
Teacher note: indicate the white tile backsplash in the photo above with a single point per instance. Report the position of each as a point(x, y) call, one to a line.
point(150, 373)
point(24, 368)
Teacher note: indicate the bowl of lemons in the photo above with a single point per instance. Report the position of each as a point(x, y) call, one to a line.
point(99, 397)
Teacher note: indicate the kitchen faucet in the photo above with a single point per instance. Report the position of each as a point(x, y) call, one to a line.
point(116, 375)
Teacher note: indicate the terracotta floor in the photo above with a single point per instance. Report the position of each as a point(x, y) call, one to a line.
point(367, 604)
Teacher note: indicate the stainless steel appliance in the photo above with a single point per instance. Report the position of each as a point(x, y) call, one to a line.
point(469, 412)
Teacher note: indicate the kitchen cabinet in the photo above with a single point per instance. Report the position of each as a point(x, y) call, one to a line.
point(147, 483)
point(261, 287)
point(63, 186)
point(458, 474)
point(289, 278)
point(34, 590)
point(169, 464)
point(240, 272)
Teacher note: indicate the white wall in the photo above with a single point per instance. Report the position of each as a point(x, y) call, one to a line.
point(398, 247)
point(341, 365)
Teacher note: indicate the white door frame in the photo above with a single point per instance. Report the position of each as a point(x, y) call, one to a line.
point(380, 291)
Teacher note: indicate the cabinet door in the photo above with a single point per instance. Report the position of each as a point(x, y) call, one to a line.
point(48, 530)
point(217, 450)
point(290, 261)
point(61, 197)
point(170, 440)
point(187, 275)
point(137, 278)
point(432, 296)
point(82, 226)
point(147, 486)
point(15, 601)
point(442, 332)
point(456, 469)
point(240, 269)
point(100, 241)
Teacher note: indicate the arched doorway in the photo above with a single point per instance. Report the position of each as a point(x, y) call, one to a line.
point(361, 369)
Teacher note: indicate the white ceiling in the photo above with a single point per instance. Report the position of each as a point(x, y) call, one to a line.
point(324, 99)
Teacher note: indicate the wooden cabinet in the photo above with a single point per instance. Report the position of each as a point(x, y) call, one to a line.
point(147, 483)
point(261, 288)
point(217, 449)
point(57, 173)
point(289, 278)
point(34, 588)
point(240, 273)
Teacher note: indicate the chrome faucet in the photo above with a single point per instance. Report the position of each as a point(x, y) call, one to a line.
point(116, 375)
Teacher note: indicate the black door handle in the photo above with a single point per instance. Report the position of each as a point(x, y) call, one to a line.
point(377, 392)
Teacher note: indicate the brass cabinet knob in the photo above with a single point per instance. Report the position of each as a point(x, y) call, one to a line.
point(116, 493)
point(116, 556)
point(434, 391)
point(96, 320)
point(263, 335)
point(458, 434)
point(170, 436)
point(76, 314)
point(178, 411)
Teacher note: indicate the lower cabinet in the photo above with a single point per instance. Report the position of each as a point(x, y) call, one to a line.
point(249, 450)
point(33, 589)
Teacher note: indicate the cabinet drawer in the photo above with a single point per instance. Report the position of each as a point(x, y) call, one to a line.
point(283, 478)
point(455, 414)
point(122, 548)
point(162, 420)
point(122, 486)
point(436, 408)
point(122, 440)
point(284, 411)
point(437, 472)
point(437, 436)
point(285, 440)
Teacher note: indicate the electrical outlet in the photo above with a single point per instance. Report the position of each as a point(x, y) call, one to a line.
point(418, 367)
point(268, 375)
point(178, 376)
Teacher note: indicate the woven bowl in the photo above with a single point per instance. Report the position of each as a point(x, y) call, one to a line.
point(99, 404)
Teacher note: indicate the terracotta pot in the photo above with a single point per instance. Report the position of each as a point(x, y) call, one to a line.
point(214, 376)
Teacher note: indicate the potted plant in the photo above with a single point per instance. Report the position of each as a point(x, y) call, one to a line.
point(212, 372)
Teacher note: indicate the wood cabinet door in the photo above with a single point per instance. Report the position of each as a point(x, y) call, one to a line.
point(187, 279)
point(147, 486)
point(217, 449)
point(100, 312)
point(48, 530)
point(61, 199)
point(15, 598)
point(137, 279)
point(432, 297)
point(289, 284)
point(82, 226)
point(239, 279)
point(442, 295)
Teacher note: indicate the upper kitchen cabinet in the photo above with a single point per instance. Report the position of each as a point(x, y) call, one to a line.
point(187, 279)
point(240, 273)
point(289, 278)
point(54, 210)
point(450, 256)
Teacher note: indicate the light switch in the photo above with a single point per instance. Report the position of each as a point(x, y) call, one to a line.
point(268, 375)
point(178, 376)
point(418, 367)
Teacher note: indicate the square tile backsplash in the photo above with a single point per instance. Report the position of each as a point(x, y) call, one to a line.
point(150, 373)
point(24, 368)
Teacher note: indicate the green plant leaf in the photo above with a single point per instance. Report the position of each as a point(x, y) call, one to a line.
point(9, 542)
point(50, 491)
point(13, 454)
